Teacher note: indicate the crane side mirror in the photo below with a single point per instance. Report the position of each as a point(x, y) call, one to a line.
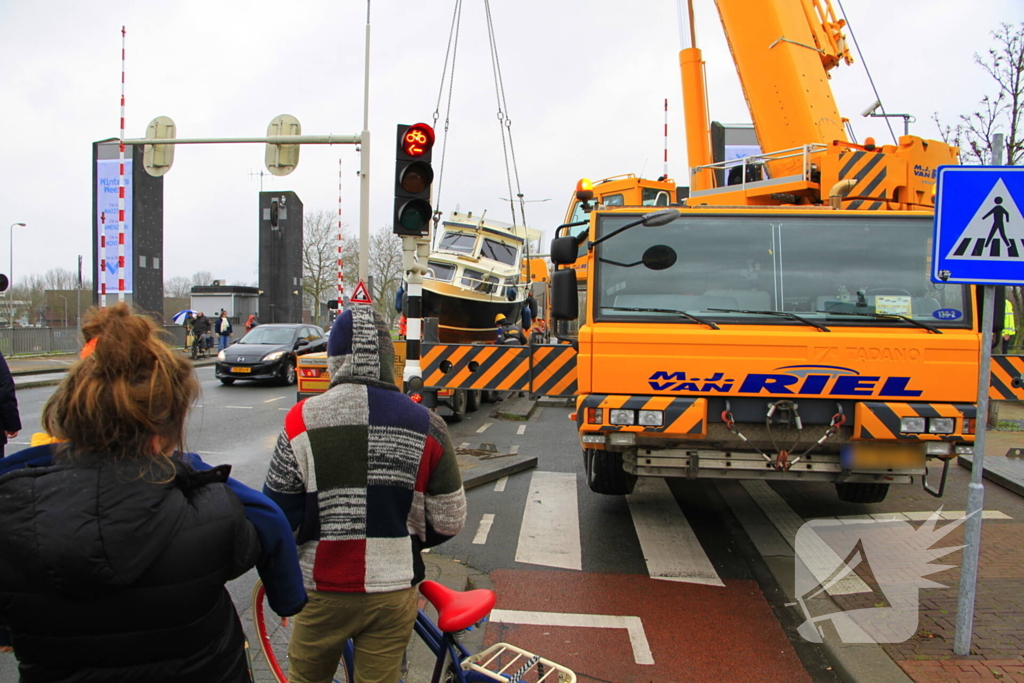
point(565, 304)
point(563, 251)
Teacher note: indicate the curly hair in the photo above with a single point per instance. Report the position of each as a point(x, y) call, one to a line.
point(130, 388)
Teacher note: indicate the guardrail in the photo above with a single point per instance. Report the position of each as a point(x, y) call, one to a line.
point(36, 341)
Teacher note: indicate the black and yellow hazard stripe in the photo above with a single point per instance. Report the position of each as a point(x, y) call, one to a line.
point(1007, 383)
point(880, 420)
point(554, 370)
point(684, 417)
point(476, 366)
point(870, 170)
point(501, 368)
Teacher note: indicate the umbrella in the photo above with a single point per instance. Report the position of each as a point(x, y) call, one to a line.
point(179, 317)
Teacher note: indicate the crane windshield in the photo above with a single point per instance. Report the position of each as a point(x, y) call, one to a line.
point(833, 270)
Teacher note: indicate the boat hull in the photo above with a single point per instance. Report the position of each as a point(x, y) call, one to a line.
point(466, 320)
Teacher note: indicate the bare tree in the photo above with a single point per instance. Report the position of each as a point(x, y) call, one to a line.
point(202, 278)
point(60, 278)
point(385, 256)
point(178, 286)
point(319, 258)
point(1002, 112)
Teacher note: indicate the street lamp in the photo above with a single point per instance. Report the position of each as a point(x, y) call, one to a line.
point(10, 278)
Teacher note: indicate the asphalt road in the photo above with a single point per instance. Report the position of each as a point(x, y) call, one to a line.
point(678, 577)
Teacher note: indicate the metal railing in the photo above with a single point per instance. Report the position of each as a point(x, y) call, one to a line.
point(38, 341)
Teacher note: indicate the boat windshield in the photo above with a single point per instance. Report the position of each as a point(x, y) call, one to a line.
point(458, 241)
point(832, 270)
point(499, 251)
point(441, 271)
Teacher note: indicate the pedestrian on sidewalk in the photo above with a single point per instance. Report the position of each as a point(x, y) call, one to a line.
point(386, 486)
point(9, 417)
point(251, 323)
point(224, 330)
point(117, 544)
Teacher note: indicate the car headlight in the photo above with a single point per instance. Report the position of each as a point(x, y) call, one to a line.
point(941, 425)
point(912, 425)
point(652, 418)
point(221, 355)
point(273, 356)
point(622, 417)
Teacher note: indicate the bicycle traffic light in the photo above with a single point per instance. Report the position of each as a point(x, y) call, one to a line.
point(413, 176)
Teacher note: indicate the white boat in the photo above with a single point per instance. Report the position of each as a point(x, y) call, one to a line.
point(475, 272)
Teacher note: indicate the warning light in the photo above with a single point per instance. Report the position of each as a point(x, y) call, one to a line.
point(584, 190)
point(418, 140)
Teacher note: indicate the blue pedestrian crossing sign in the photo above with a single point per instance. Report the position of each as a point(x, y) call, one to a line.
point(979, 227)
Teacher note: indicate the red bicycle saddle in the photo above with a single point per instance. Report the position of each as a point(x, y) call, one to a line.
point(457, 610)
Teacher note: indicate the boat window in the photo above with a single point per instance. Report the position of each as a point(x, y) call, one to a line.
point(478, 281)
point(613, 200)
point(499, 251)
point(457, 241)
point(441, 271)
point(652, 196)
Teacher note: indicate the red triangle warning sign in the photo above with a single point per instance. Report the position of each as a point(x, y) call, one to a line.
point(360, 295)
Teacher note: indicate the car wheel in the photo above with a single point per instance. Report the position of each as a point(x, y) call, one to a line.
point(227, 381)
point(861, 493)
point(288, 376)
point(458, 406)
point(472, 401)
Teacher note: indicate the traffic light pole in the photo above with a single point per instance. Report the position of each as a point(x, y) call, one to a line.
point(415, 251)
point(364, 164)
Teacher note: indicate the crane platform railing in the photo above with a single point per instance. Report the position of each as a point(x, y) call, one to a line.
point(805, 153)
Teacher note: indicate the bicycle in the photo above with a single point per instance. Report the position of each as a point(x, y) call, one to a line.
point(456, 611)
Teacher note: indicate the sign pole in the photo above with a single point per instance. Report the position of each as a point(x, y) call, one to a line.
point(976, 489)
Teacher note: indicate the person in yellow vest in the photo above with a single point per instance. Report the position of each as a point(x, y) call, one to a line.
point(1009, 326)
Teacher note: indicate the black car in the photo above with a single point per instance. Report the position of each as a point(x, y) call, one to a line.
point(269, 352)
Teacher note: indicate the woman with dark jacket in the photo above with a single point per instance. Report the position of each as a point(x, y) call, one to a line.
point(10, 420)
point(114, 556)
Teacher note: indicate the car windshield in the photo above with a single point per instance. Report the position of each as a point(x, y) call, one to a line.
point(842, 270)
point(268, 335)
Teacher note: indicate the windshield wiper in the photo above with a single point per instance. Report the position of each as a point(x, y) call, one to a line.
point(781, 314)
point(694, 318)
point(886, 316)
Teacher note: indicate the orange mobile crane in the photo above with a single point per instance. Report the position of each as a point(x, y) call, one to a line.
point(781, 323)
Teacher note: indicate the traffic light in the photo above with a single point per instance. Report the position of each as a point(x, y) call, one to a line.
point(413, 176)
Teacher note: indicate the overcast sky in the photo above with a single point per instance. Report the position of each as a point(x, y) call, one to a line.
point(584, 84)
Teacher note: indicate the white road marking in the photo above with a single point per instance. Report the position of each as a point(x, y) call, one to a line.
point(513, 449)
point(483, 428)
point(819, 557)
point(914, 516)
point(284, 408)
point(485, 528)
point(633, 625)
point(464, 445)
point(240, 407)
point(671, 549)
point(499, 485)
point(550, 534)
point(521, 430)
point(271, 400)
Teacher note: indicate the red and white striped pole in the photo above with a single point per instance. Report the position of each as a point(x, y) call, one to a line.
point(341, 271)
point(665, 171)
point(103, 259)
point(120, 188)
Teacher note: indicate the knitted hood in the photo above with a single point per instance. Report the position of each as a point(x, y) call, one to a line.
point(360, 349)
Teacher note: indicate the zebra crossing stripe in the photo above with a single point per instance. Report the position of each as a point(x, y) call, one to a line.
point(671, 550)
point(550, 532)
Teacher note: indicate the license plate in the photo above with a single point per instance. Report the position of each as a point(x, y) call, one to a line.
point(241, 369)
point(881, 456)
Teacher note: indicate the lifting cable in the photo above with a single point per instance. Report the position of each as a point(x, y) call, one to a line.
point(878, 98)
point(452, 51)
point(505, 123)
